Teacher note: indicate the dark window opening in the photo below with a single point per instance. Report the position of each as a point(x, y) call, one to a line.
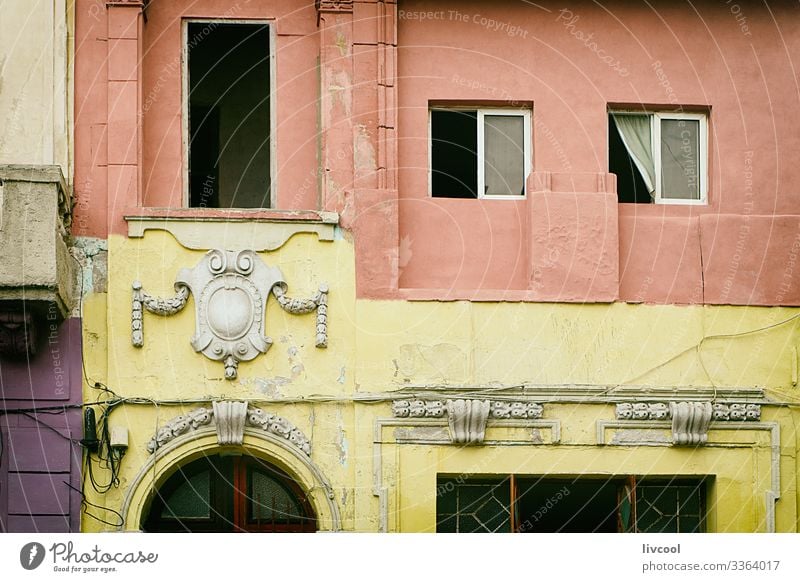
point(229, 115)
point(585, 505)
point(630, 186)
point(574, 506)
point(473, 506)
point(229, 494)
point(454, 154)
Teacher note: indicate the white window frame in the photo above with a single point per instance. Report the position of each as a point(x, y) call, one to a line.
point(655, 144)
point(273, 118)
point(481, 114)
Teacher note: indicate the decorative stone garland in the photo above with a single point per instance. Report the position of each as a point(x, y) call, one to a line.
point(255, 417)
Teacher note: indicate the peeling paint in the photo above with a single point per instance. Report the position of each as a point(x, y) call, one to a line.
point(341, 377)
point(341, 43)
point(341, 439)
point(364, 158)
point(92, 256)
point(295, 363)
point(440, 362)
point(271, 386)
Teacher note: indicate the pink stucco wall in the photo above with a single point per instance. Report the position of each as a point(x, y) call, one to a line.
point(352, 97)
point(656, 54)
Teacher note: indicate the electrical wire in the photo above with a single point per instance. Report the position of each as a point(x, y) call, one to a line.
point(86, 503)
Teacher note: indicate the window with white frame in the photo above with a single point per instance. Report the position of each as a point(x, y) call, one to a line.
point(479, 153)
point(659, 157)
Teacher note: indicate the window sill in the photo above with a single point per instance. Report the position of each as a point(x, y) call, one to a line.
point(232, 229)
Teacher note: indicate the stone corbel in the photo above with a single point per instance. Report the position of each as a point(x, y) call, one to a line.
point(467, 418)
point(720, 411)
point(690, 420)
point(229, 419)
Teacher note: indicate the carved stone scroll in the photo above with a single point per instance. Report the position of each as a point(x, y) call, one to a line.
point(643, 411)
point(279, 426)
point(504, 409)
point(180, 425)
point(661, 411)
point(230, 289)
point(303, 306)
point(467, 420)
point(690, 422)
point(734, 412)
point(229, 419)
point(418, 408)
point(157, 305)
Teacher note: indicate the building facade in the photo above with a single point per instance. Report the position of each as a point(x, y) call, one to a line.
point(439, 266)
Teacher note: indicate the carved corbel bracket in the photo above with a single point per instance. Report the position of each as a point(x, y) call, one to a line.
point(231, 290)
point(230, 419)
point(467, 418)
point(690, 420)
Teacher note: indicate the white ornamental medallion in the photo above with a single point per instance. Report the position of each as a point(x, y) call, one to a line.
point(231, 289)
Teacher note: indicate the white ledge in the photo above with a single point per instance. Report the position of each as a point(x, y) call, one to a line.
point(234, 230)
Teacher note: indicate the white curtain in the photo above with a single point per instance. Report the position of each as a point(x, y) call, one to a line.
point(635, 133)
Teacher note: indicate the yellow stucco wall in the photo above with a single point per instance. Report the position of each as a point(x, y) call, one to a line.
point(377, 348)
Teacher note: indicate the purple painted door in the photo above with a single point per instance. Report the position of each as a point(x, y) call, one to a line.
point(39, 452)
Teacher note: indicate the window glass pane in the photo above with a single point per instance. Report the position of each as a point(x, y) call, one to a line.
point(669, 508)
point(680, 159)
point(192, 499)
point(454, 154)
point(473, 506)
point(504, 155)
point(269, 501)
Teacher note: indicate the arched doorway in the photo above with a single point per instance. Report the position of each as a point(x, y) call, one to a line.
point(230, 494)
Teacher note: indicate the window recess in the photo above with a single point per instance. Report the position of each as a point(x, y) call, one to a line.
point(479, 153)
point(227, 111)
point(581, 505)
point(659, 158)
